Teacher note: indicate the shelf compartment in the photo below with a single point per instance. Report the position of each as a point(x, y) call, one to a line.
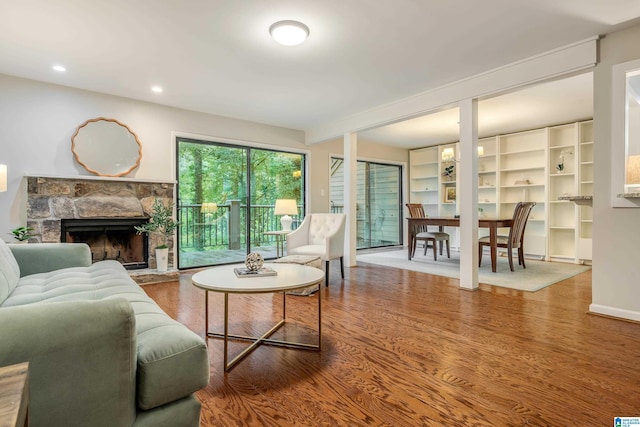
point(562, 243)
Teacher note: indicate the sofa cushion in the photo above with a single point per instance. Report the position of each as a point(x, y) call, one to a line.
point(9, 271)
point(172, 360)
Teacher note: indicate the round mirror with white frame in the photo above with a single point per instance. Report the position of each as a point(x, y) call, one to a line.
point(106, 147)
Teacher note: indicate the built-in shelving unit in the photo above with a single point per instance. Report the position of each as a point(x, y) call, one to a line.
point(425, 179)
point(522, 160)
point(563, 218)
point(522, 166)
point(585, 210)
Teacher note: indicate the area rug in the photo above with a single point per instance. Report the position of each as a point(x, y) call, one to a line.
point(537, 275)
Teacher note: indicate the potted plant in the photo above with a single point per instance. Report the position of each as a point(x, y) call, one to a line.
point(449, 172)
point(22, 234)
point(161, 222)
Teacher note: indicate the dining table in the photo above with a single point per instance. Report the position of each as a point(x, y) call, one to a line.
point(416, 226)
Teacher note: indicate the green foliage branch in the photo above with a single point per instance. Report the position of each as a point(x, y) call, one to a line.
point(161, 221)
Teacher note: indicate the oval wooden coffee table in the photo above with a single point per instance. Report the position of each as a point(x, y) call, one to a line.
point(223, 279)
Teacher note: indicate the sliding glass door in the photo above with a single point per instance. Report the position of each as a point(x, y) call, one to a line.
point(226, 199)
point(378, 202)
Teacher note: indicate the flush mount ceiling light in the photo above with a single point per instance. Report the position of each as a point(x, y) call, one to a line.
point(59, 68)
point(156, 89)
point(289, 33)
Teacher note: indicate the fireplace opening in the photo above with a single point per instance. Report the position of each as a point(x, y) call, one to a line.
point(110, 239)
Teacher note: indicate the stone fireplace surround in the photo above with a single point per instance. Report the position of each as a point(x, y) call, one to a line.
point(51, 199)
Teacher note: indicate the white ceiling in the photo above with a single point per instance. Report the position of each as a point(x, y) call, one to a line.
point(216, 56)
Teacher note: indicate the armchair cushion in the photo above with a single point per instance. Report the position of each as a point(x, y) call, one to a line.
point(319, 234)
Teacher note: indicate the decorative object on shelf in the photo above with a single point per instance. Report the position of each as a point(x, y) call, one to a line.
point(522, 182)
point(160, 221)
point(450, 194)
point(23, 234)
point(480, 212)
point(449, 172)
point(480, 151)
point(560, 165)
point(286, 207)
point(254, 261)
point(3, 178)
point(106, 147)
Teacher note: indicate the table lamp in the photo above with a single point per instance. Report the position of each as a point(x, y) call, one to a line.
point(3, 177)
point(286, 207)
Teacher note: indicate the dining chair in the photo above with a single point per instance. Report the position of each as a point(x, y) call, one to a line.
point(515, 239)
point(320, 234)
point(416, 210)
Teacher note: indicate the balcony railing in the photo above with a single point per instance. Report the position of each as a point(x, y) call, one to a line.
point(225, 228)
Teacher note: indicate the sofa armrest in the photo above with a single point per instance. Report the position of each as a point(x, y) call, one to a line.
point(44, 257)
point(82, 360)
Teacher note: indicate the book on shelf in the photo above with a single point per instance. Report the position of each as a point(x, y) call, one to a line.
point(264, 271)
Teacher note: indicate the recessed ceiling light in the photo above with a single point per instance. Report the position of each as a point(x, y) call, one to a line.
point(289, 33)
point(156, 89)
point(59, 68)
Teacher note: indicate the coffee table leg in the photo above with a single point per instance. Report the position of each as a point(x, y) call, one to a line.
point(264, 339)
point(319, 317)
point(226, 329)
point(206, 313)
point(284, 305)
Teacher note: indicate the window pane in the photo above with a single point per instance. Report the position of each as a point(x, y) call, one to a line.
point(225, 204)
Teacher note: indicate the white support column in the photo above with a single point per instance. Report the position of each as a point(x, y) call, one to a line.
point(350, 188)
point(468, 194)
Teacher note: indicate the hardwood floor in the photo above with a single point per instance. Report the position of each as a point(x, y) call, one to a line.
point(402, 348)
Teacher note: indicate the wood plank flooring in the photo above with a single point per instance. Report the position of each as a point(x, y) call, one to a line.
point(402, 348)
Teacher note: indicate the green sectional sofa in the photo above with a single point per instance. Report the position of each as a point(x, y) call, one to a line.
point(100, 351)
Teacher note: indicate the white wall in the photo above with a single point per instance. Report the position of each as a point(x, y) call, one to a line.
point(38, 119)
point(616, 231)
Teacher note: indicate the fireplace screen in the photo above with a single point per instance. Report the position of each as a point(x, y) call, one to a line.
point(110, 239)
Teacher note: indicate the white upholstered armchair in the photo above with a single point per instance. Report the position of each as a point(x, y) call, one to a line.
point(320, 234)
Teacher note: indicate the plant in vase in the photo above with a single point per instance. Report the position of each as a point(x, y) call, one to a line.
point(560, 164)
point(22, 234)
point(449, 172)
point(161, 221)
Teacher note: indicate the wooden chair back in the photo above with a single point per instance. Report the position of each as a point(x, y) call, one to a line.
point(520, 217)
point(416, 210)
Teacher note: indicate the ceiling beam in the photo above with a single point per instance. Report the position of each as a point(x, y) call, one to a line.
point(549, 65)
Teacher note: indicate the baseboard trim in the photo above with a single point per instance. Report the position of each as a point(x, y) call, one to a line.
point(615, 312)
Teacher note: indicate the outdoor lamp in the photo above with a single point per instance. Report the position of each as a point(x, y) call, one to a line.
point(209, 208)
point(286, 207)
